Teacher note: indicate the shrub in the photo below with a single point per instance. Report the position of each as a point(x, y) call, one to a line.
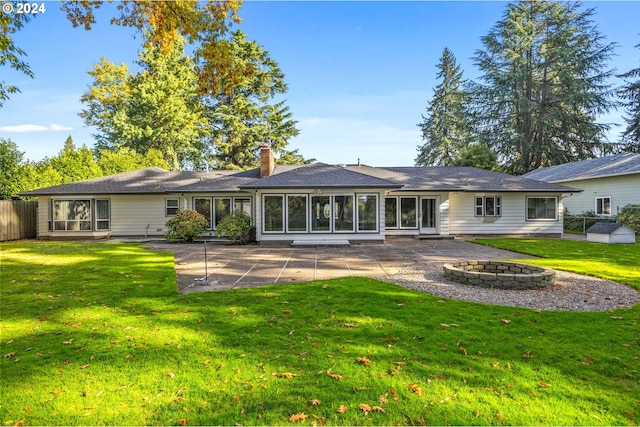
point(235, 226)
point(630, 216)
point(186, 225)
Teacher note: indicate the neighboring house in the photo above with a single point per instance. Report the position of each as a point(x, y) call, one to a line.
point(608, 183)
point(315, 202)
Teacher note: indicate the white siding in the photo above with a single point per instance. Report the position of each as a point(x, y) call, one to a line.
point(623, 190)
point(462, 219)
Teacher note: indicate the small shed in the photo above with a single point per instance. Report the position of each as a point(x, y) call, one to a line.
point(610, 232)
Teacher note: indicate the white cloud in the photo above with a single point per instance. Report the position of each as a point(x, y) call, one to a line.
point(35, 128)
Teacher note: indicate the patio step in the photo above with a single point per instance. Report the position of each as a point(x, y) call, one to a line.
point(343, 242)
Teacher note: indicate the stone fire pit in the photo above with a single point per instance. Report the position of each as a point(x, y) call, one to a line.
point(500, 274)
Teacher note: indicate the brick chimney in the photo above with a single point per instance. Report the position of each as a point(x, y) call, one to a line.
point(267, 161)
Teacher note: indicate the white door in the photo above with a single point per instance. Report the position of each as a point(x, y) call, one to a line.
point(429, 216)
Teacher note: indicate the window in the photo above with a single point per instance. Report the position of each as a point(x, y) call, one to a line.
point(103, 214)
point(367, 212)
point(273, 213)
point(79, 215)
point(296, 213)
point(488, 206)
point(203, 207)
point(321, 213)
point(391, 212)
point(242, 204)
point(542, 208)
point(171, 206)
point(406, 216)
point(343, 213)
point(221, 208)
point(603, 205)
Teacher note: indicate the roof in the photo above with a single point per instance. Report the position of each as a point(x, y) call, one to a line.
point(619, 164)
point(315, 176)
point(321, 175)
point(605, 227)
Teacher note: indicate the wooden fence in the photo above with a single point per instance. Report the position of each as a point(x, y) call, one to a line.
point(18, 220)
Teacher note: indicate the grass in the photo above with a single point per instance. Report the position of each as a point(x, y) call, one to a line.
point(96, 334)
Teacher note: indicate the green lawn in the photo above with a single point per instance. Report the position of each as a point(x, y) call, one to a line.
point(96, 334)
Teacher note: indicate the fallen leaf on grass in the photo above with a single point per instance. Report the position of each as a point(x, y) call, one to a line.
point(171, 374)
point(301, 416)
point(543, 384)
point(315, 402)
point(67, 342)
point(449, 325)
point(287, 375)
point(183, 422)
point(463, 351)
point(505, 320)
point(342, 409)
point(415, 388)
point(8, 355)
point(363, 361)
point(334, 376)
point(350, 325)
point(365, 408)
point(85, 366)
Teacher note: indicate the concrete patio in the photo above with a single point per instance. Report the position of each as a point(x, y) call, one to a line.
point(229, 267)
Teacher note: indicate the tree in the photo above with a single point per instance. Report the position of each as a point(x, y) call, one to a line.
point(446, 128)
point(125, 160)
point(478, 156)
point(157, 108)
point(9, 52)
point(545, 83)
point(203, 24)
point(630, 94)
point(12, 165)
point(242, 118)
point(73, 164)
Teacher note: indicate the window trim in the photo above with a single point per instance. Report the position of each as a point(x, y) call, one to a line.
point(92, 220)
point(398, 220)
point(283, 198)
point(602, 199)
point(306, 214)
point(480, 206)
point(556, 206)
point(167, 207)
point(377, 213)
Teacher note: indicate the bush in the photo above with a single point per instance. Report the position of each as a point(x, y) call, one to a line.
point(630, 216)
point(186, 225)
point(235, 226)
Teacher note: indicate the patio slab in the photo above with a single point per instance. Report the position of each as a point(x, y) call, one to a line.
point(230, 267)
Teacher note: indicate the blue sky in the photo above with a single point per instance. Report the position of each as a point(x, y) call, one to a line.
point(360, 74)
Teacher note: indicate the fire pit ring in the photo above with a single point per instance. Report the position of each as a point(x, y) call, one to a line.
point(500, 274)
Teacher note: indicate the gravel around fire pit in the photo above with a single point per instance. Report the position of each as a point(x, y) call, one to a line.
point(571, 292)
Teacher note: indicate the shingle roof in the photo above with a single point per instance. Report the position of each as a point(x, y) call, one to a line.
point(619, 164)
point(320, 175)
point(461, 179)
point(604, 227)
point(315, 175)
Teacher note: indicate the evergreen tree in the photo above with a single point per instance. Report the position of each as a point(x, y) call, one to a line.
point(545, 84)
point(73, 164)
point(446, 128)
point(157, 108)
point(630, 94)
point(243, 118)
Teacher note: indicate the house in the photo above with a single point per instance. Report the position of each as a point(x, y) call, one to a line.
point(608, 183)
point(608, 232)
point(307, 202)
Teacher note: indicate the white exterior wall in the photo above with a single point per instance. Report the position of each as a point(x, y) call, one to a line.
point(462, 219)
point(623, 190)
point(314, 236)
